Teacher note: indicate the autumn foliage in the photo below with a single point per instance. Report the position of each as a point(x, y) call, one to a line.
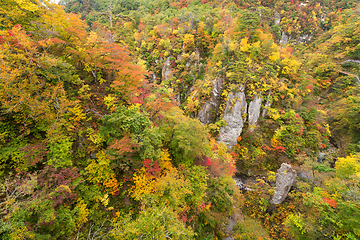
point(100, 135)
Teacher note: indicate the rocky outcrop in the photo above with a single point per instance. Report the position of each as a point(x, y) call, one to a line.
point(206, 113)
point(304, 39)
point(301, 39)
point(235, 116)
point(166, 70)
point(254, 112)
point(153, 77)
point(266, 106)
point(284, 180)
point(241, 185)
point(277, 18)
point(284, 39)
point(235, 108)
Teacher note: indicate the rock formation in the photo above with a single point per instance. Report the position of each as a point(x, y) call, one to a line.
point(284, 180)
point(277, 18)
point(304, 38)
point(206, 113)
point(166, 70)
point(241, 185)
point(284, 38)
point(254, 112)
point(235, 107)
point(266, 106)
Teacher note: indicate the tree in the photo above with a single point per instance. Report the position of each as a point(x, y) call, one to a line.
point(186, 138)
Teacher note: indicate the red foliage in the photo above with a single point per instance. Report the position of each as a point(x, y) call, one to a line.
point(152, 167)
point(123, 146)
point(231, 168)
point(34, 153)
point(331, 202)
point(206, 162)
point(61, 183)
point(279, 149)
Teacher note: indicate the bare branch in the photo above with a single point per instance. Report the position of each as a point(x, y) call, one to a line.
point(350, 60)
point(350, 74)
point(93, 111)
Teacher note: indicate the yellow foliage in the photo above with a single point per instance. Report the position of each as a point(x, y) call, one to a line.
point(244, 46)
point(64, 187)
point(136, 107)
point(92, 38)
point(165, 161)
point(275, 140)
point(21, 233)
point(83, 212)
point(100, 171)
point(105, 200)
point(112, 184)
point(256, 44)
point(95, 137)
point(274, 114)
point(348, 166)
point(189, 42)
point(275, 55)
point(84, 91)
point(109, 101)
point(233, 46)
point(223, 153)
point(78, 114)
point(143, 185)
point(290, 66)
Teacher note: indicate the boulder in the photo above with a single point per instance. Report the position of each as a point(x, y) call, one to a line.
point(284, 180)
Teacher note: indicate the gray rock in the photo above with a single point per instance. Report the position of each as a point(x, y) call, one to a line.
point(277, 18)
point(153, 77)
point(306, 175)
point(254, 112)
point(235, 107)
point(177, 99)
point(321, 157)
point(323, 17)
point(206, 113)
point(266, 106)
point(304, 38)
point(166, 71)
point(241, 185)
point(284, 38)
point(284, 180)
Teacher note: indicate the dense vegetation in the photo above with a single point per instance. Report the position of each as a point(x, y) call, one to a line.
point(99, 129)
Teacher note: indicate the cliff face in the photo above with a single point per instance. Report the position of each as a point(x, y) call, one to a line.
point(236, 114)
point(206, 114)
point(235, 117)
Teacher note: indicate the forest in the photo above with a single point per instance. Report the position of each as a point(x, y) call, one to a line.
point(171, 119)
